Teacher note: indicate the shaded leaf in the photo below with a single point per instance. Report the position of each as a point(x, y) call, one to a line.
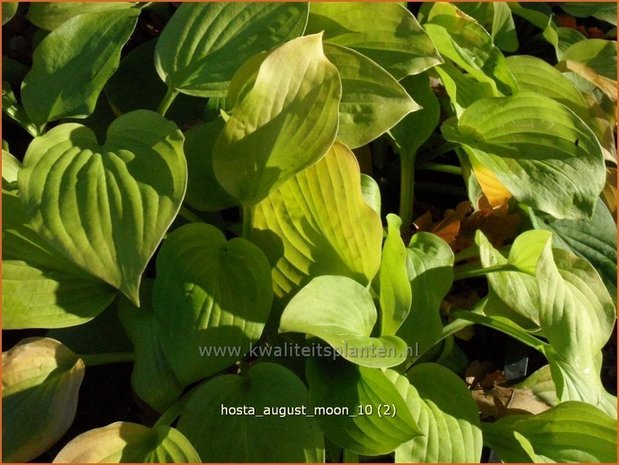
point(50, 15)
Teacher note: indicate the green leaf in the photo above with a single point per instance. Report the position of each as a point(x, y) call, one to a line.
point(204, 193)
point(429, 266)
point(341, 311)
point(12, 108)
point(600, 10)
point(571, 432)
point(125, 94)
point(417, 127)
point(267, 140)
point(10, 168)
point(372, 100)
point(496, 18)
point(595, 240)
point(125, 442)
point(73, 63)
point(394, 288)
point(204, 44)
point(447, 416)
point(387, 33)
point(41, 379)
point(545, 155)
point(463, 90)
point(309, 240)
point(50, 15)
point(577, 316)
point(106, 207)
point(210, 294)
point(282, 432)
point(340, 386)
point(152, 378)
point(463, 40)
point(8, 11)
point(371, 192)
point(541, 385)
point(40, 287)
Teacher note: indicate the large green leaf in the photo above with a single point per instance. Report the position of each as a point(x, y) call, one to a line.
point(204, 44)
point(340, 311)
point(211, 297)
point(40, 287)
point(394, 289)
point(495, 17)
point(385, 32)
point(372, 100)
point(73, 63)
point(594, 240)
point(442, 406)
point(204, 192)
point(279, 429)
point(152, 378)
point(125, 442)
point(363, 411)
point(463, 40)
point(544, 154)
point(40, 384)
point(594, 60)
point(571, 432)
point(429, 265)
point(282, 123)
point(296, 226)
point(106, 207)
point(605, 11)
point(577, 316)
point(50, 15)
point(463, 90)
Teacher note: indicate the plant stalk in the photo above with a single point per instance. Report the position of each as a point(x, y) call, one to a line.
point(189, 215)
point(474, 270)
point(441, 168)
point(407, 188)
point(93, 360)
point(167, 101)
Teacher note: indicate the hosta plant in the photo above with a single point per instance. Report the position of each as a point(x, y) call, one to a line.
point(292, 232)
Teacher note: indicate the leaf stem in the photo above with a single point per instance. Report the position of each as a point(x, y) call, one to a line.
point(93, 360)
point(441, 168)
point(174, 410)
point(349, 457)
point(189, 215)
point(407, 187)
point(469, 252)
point(474, 270)
point(167, 100)
point(431, 154)
point(247, 217)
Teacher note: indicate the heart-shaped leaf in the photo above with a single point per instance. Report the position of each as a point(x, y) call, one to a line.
point(106, 207)
point(211, 297)
point(41, 379)
point(204, 44)
point(571, 432)
point(124, 442)
point(544, 154)
point(372, 100)
point(447, 416)
point(267, 140)
point(264, 409)
point(68, 55)
point(50, 15)
point(309, 240)
point(40, 287)
point(341, 311)
point(358, 408)
point(387, 33)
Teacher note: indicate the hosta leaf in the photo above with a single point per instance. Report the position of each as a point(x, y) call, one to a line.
point(12, 108)
point(106, 207)
point(447, 417)
point(372, 100)
point(541, 385)
point(371, 192)
point(496, 193)
point(125, 442)
point(10, 168)
point(85, 52)
point(463, 40)
point(596, 61)
point(152, 378)
point(387, 33)
point(463, 90)
point(350, 389)
point(286, 121)
point(429, 266)
point(340, 311)
point(204, 44)
point(496, 18)
point(571, 432)
point(40, 287)
point(542, 152)
point(8, 11)
point(265, 436)
point(394, 288)
point(210, 294)
point(50, 15)
point(40, 384)
point(204, 192)
point(594, 240)
point(298, 231)
point(600, 10)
